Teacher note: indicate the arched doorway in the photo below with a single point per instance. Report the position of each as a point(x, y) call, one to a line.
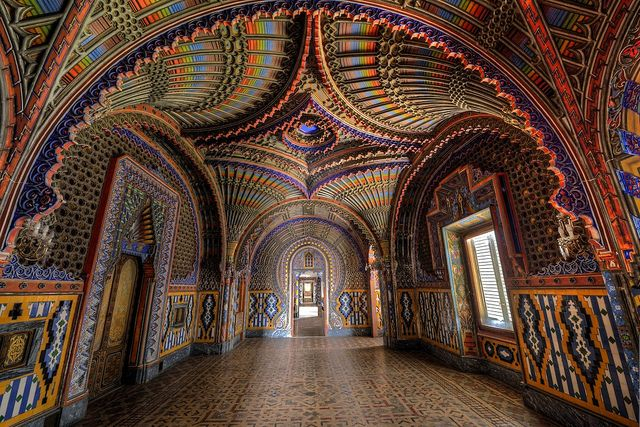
point(308, 292)
point(121, 317)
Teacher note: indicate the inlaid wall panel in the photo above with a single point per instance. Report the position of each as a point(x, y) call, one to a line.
point(263, 309)
point(178, 324)
point(208, 305)
point(378, 308)
point(500, 351)
point(572, 349)
point(36, 331)
point(407, 314)
point(437, 319)
point(353, 305)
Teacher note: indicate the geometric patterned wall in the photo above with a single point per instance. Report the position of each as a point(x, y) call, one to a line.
point(407, 315)
point(499, 351)
point(571, 348)
point(353, 305)
point(178, 322)
point(131, 185)
point(207, 309)
point(437, 319)
point(263, 309)
point(34, 388)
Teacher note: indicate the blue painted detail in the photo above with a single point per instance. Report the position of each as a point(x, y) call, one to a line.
point(581, 347)
point(208, 314)
point(20, 396)
point(630, 183)
point(630, 142)
point(536, 344)
point(37, 196)
point(505, 354)
point(489, 349)
point(309, 130)
point(39, 309)
point(346, 302)
point(15, 270)
point(52, 353)
point(271, 308)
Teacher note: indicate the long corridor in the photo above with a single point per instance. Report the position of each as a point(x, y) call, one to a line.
point(314, 381)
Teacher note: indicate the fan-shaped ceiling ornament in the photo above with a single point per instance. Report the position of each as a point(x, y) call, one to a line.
point(290, 102)
point(377, 81)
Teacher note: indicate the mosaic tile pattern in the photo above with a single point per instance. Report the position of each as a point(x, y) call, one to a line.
point(571, 348)
point(314, 381)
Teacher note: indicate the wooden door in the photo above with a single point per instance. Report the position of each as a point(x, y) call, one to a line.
point(113, 331)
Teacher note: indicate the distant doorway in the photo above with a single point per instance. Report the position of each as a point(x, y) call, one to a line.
point(308, 293)
point(309, 316)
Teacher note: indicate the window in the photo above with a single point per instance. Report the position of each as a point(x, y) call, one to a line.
point(488, 279)
point(308, 260)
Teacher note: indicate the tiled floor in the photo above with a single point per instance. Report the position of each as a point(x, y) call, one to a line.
point(314, 381)
point(309, 327)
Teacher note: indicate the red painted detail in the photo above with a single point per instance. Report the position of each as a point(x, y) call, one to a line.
point(587, 136)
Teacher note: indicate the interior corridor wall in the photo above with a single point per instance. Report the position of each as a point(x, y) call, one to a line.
point(565, 341)
point(48, 292)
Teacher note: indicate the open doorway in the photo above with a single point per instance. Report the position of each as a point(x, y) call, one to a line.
point(308, 274)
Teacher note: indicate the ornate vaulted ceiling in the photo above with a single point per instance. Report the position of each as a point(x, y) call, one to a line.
point(327, 101)
point(308, 105)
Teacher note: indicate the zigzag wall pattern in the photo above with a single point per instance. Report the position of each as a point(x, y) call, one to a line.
point(570, 347)
point(178, 332)
point(437, 318)
point(354, 307)
point(50, 318)
point(263, 310)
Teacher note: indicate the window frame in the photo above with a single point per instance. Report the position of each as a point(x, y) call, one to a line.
point(476, 286)
point(309, 256)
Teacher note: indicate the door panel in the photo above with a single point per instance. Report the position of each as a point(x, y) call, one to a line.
point(122, 303)
point(113, 329)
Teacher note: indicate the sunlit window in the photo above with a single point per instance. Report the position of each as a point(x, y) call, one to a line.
point(489, 280)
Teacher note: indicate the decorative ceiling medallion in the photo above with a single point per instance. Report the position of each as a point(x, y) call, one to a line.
point(310, 133)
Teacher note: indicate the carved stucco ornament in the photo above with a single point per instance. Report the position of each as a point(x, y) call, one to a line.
point(572, 242)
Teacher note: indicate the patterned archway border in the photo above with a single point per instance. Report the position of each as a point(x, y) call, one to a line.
point(359, 250)
point(10, 92)
point(262, 226)
point(37, 197)
point(186, 149)
point(331, 274)
point(569, 198)
point(135, 134)
point(136, 129)
point(126, 173)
